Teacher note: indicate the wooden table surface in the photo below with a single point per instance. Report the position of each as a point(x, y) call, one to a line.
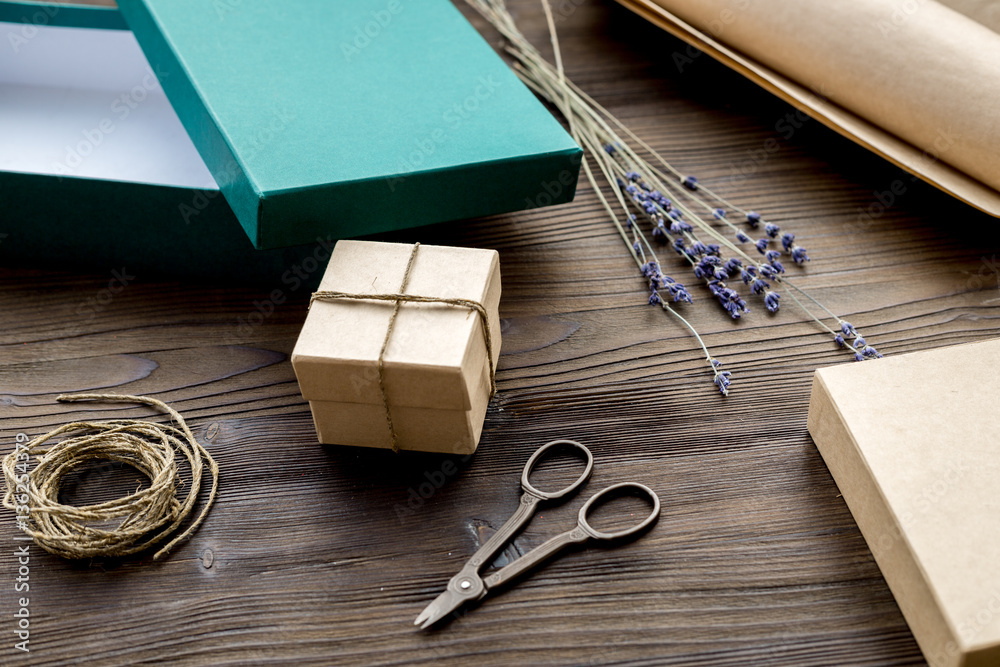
point(324, 555)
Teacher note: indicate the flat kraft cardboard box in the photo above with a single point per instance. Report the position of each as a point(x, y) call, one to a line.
point(913, 442)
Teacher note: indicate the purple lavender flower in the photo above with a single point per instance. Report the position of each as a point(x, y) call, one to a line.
point(771, 301)
point(748, 274)
point(680, 227)
point(759, 286)
point(741, 237)
point(660, 233)
point(799, 255)
point(777, 266)
point(847, 328)
point(729, 298)
point(713, 249)
point(633, 176)
point(611, 150)
point(704, 269)
point(859, 342)
point(772, 256)
point(699, 248)
point(722, 381)
point(662, 201)
point(762, 245)
point(679, 246)
point(753, 218)
point(839, 340)
point(871, 352)
point(715, 363)
point(679, 292)
point(787, 240)
point(772, 229)
point(719, 213)
point(733, 265)
point(630, 221)
point(654, 298)
point(858, 357)
point(690, 182)
point(637, 247)
point(768, 271)
point(650, 268)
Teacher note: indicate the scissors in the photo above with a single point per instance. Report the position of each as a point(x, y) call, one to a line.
point(468, 585)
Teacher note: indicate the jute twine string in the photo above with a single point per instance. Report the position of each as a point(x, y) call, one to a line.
point(398, 299)
point(144, 518)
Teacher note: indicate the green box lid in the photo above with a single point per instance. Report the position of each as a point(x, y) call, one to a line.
point(325, 117)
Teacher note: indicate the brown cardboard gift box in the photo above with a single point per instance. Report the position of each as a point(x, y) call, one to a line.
point(913, 442)
point(436, 371)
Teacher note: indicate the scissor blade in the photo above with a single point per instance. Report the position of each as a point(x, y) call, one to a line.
point(443, 605)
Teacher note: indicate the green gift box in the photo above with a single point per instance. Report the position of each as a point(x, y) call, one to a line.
point(314, 120)
point(319, 117)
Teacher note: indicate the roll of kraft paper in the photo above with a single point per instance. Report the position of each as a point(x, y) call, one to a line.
point(914, 80)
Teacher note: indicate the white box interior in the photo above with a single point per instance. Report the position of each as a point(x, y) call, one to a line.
point(85, 103)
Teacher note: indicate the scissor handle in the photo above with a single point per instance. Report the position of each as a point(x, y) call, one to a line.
point(528, 487)
point(617, 490)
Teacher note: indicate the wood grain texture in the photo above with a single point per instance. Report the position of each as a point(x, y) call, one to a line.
point(325, 555)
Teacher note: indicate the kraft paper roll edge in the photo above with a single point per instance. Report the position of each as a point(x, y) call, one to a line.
point(839, 117)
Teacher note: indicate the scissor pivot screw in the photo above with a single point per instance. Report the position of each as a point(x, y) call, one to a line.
point(465, 585)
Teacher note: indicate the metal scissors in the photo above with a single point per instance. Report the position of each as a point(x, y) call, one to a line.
point(468, 585)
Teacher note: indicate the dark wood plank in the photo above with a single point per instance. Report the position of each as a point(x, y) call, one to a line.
point(323, 555)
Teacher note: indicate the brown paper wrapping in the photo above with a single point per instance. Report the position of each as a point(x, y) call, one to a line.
point(913, 443)
point(912, 80)
point(437, 376)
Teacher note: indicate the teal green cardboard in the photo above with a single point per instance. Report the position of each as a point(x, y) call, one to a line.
point(137, 228)
point(32, 15)
point(325, 117)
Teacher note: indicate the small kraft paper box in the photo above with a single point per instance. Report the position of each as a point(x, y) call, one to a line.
point(436, 370)
point(913, 442)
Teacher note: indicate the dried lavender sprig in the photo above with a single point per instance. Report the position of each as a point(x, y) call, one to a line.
point(586, 122)
point(634, 177)
point(721, 379)
point(771, 298)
